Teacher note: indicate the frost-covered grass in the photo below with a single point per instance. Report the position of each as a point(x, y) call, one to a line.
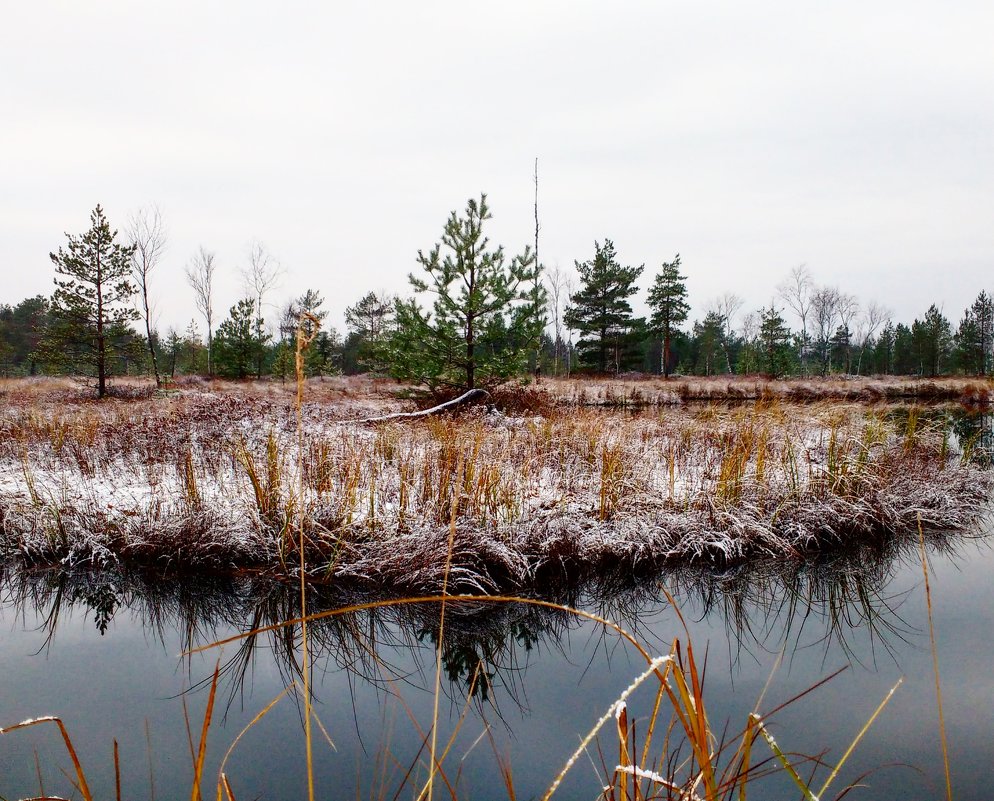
point(211, 477)
point(639, 390)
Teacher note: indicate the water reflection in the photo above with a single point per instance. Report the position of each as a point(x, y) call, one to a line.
point(974, 432)
point(830, 599)
point(968, 431)
point(818, 610)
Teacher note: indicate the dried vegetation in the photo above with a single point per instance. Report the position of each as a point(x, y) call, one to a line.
point(206, 477)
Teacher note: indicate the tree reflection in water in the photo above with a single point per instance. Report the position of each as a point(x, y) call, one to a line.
point(486, 644)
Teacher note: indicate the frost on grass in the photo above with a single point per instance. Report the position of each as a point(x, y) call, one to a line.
point(218, 482)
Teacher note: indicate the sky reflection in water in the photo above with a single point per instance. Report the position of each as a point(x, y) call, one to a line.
point(551, 676)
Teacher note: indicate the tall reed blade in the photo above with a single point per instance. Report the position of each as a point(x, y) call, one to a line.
point(198, 765)
point(784, 761)
point(117, 772)
point(307, 329)
point(935, 662)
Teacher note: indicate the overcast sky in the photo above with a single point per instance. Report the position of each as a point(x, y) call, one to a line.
point(857, 138)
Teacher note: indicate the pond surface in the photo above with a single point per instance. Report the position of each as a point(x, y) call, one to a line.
point(101, 652)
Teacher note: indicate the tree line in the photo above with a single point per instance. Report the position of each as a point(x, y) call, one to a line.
point(475, 315)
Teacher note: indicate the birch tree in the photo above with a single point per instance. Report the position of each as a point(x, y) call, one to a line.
point(148, 237)
point(200, 276)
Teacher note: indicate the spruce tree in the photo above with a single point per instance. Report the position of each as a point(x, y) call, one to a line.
point(89, 311)
point(600, 310)
point(668, 301)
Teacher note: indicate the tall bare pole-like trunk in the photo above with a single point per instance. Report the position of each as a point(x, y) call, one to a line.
point(538, 269)
point(555, 286)
point(148, 236)
point(725, 307)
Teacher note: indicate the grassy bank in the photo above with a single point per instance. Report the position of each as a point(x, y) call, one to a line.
point(210, 476)
point(654, 391)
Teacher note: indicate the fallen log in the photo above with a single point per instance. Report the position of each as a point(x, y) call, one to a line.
point(467, 397)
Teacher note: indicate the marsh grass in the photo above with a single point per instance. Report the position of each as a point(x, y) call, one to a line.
point(636, 391)
point(209, 481)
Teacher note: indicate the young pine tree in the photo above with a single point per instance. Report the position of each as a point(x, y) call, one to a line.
point(89, 311)
point(456, 344)
point(240, 341)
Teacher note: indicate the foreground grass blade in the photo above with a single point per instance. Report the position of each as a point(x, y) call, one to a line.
point(222, 782)
point(84, 789)
point(307, 329)
point(117, 772)
point(787, 766)
point(654, 666)
point(198, 765)
point(935, 662)
point(859, 736)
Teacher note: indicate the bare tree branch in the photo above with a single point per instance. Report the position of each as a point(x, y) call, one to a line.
point(147, 234)
point(200, 276)
point(797, 292)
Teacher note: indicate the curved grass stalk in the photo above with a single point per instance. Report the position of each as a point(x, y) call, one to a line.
point(222, 779)
point(935, 662)
point(654, 665)
point(84, 789)
point(425, 599)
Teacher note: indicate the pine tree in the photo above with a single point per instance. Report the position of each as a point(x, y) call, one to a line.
point(368, 322)
point(904, 362)
point(775, 340)
point(883, 350)
point(932, 339)
point(21, 329)
point(600, 311)
point(240, 340)
point(454, 344)
point(975, 336)
point(89, 311)
point(841, 343)
point(707, 343)
point(298, 313)
point(668, 301)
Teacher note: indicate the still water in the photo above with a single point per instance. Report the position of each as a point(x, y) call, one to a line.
point(103, 653)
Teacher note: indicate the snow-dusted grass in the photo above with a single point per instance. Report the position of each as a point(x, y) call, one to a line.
point(213, 478)
point(647, 390)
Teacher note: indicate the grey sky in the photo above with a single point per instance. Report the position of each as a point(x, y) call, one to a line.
point(855, 137)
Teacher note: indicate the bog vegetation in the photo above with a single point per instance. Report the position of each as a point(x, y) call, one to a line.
point(215, 477)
